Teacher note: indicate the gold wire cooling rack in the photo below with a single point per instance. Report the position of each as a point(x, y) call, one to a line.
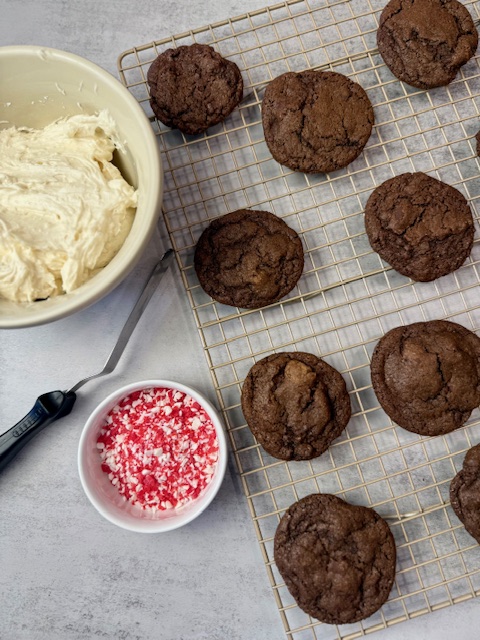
point(347, 297)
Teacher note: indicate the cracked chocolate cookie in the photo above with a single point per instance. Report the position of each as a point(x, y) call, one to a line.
point(425, 42)
point(248, 259)
point(422, 227)
point(337, 559)
point(426, 376)
point(193, 87)
point(465, 493)
point(295, 404)
point(316, 121)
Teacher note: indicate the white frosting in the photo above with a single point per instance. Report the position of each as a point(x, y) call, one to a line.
point(65, 209)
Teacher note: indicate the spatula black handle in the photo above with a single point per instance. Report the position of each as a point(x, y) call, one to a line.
point(47, 408)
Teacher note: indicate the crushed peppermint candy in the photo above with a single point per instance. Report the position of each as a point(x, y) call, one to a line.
point(159, 448)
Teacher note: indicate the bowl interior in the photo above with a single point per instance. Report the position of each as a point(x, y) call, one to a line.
point(40, 85)
point(105, 497)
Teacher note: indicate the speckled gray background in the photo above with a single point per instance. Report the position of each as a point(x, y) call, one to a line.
point(65, 573)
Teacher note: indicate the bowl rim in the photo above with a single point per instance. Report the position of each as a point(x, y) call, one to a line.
point(104, 282)
point(181, 519)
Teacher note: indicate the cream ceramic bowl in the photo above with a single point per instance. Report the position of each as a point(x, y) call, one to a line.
point(40, 85)
point(106, 498)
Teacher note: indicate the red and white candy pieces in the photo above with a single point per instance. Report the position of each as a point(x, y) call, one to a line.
point(152, 456)
point(159, 448)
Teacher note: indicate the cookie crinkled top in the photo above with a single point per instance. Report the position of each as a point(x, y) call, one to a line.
point(421, 226)
point(465, 492)
point(426, 375)
point(316, 121)
point(295, 404)
point(337, 559)
point(425, 42)
point(248, 258)
point(193, 87)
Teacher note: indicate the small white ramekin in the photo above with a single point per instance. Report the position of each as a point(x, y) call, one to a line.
point(106, 498)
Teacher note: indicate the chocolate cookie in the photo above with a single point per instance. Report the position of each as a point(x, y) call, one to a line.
point(193, 87)
point(422, 227)
point(337, 559)
point(425, 42)
point(477, 138)
point(295, 405)
point(248, 259)
point(426, 376)
point(465, 493)
point(316, 121)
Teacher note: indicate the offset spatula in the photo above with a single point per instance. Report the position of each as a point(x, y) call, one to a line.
point(57, 404)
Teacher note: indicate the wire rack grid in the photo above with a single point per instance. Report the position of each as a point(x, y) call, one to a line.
point(347, 297)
